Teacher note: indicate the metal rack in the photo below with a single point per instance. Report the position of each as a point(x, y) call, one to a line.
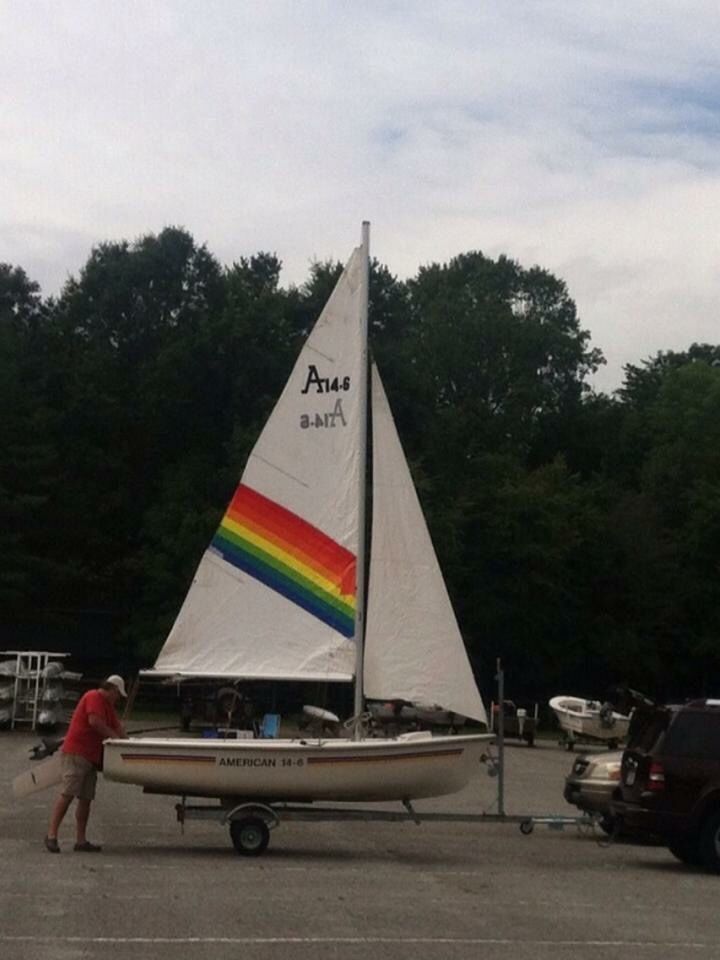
point(29, 683)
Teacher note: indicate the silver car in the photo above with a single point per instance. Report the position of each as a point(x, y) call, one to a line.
point(591, 783)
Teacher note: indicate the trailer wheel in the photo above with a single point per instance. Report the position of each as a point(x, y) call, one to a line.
point(250, 836)
point(527, 827)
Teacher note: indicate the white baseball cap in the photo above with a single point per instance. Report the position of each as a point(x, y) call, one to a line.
point(118, 682)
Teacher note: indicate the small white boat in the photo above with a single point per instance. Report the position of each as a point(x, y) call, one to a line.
point(410, 766)
point(280, 595)
point(590, 720)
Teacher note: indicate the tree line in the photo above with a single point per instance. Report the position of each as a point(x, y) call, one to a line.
point(579, 532)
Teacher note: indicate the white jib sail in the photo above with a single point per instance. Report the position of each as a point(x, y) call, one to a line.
point(274, 594)
point(413, 647)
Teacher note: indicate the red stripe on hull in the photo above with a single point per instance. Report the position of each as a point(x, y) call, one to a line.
point(157, 758)
point(387, 757)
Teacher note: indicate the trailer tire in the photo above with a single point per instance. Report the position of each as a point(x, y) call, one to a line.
point(527, 827)
point(250, 836)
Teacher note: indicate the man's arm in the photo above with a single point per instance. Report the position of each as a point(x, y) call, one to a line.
point(106, 732)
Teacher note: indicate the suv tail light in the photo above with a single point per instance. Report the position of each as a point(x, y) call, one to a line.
point(656, 776)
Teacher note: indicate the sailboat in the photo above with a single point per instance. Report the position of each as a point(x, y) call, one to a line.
point(280, 594)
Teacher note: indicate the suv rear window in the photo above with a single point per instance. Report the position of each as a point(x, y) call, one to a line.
point(646, 729)
point(694, 735)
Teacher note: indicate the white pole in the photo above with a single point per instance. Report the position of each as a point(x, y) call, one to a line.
point(359, 703)
point(500, 677)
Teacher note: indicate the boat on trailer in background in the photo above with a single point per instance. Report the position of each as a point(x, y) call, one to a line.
point(589, 721)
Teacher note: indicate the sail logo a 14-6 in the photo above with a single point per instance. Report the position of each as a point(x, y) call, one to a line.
point(324, 385)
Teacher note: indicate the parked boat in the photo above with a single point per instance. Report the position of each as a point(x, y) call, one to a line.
point(280, 594)
point(589, 720)
point(410, 766)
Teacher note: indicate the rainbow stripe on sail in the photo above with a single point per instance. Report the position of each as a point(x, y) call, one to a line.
point(290, 556)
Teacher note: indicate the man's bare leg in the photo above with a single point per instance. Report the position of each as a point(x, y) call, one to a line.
point(58, 812)
point(82, 812)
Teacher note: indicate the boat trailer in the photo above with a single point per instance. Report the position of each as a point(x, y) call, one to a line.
point(569, 739)
point(250, 821)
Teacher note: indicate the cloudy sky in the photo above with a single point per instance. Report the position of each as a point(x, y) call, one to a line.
point(581, 135)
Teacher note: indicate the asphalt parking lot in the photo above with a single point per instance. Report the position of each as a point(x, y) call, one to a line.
point(351, 890)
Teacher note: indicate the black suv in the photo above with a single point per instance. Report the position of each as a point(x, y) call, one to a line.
point(670, 780)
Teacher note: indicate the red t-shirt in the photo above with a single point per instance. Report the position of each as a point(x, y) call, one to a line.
point(81, 738)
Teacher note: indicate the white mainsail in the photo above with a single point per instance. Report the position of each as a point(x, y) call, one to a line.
point(413, 647)
point(274, 595)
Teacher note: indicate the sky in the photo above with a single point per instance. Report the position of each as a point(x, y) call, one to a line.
point(578, 135)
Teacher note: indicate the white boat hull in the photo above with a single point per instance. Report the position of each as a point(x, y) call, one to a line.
point(581, 718)
point(411, 767)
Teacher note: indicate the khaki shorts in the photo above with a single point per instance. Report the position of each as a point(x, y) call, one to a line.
point(79, 777)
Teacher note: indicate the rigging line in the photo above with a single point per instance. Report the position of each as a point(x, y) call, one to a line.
point(274, 466)
point(325, 356)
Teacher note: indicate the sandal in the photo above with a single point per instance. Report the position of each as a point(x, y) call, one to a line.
point(52, 845)
point(87, 847)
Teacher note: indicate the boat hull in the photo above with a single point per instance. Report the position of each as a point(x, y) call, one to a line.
point(411, 767)
point(581, 718)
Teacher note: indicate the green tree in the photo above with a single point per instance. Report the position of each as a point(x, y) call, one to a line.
point(130, 345)
point(27, 459)
point(661, 534)
point(498, 342)
point(682, 474)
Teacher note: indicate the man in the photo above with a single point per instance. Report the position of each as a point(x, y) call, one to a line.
point(93, 721)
